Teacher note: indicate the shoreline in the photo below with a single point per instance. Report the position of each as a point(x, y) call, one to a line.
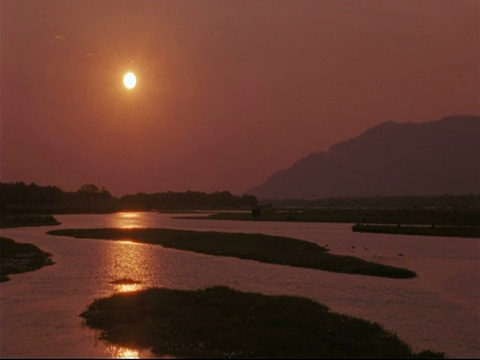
point(18, 258)
point(448, 231)
point(219, 322)
point(23, 220)
point(406, 222)
point(280, 250)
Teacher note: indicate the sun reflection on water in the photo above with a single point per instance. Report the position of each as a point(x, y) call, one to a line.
point(127, 220)
point(119, 352)
point(127, 287)
point(126, 242)
point(130, 266)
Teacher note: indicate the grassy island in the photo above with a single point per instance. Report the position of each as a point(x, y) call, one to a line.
point(421, 216)
point(19, 258)
point(453, 231)
point(219, 322)
point(433, 222)
point(13, 221)
point(263, 248)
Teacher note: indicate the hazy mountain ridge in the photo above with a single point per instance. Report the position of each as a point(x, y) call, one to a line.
point(430, 158)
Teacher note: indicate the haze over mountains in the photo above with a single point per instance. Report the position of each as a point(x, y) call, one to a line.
point(430, 158)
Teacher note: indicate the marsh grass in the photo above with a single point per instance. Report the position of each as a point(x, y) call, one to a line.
point(125, 281)
point(263, 248)
point(18, 258)
point(14, 221)
point(446, 217)
point(220, 322)
point(452, 231)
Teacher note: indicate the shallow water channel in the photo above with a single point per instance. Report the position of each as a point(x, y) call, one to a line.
point(438, 310)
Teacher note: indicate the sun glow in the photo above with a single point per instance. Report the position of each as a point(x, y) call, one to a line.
point(129, 80)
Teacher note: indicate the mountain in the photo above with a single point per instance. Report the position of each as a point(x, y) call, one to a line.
point(430, 158)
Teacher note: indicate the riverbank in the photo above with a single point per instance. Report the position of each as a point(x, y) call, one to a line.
point(13, 221)
point(219, 322)
point(433, 222)
point(452, 231)
point(437, 217)
point(263, 248)
point(18, 258)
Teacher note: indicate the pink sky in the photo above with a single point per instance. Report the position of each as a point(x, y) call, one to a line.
point(228, 91)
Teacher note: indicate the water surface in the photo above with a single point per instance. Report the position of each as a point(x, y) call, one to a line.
point(440, 309)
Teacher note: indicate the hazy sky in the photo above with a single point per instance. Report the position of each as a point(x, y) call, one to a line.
point(228, 91)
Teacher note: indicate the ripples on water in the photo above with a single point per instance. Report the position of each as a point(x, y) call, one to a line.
point(439, 310)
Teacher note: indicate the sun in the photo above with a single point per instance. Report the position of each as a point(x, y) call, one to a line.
point(129, 80)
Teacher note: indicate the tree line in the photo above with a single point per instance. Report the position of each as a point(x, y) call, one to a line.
point(18, 197)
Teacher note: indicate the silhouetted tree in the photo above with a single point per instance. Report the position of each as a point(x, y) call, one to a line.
point(94, 194)
point(256, 212)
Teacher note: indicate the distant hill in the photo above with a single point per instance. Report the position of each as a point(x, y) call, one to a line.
point(430, 158)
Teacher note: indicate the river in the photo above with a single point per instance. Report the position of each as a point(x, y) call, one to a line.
point(438, 310)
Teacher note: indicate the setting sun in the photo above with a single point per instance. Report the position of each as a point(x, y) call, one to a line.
point(129, 80)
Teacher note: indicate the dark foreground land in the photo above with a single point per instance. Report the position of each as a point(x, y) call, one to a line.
point(220, 322)
point(20, 220)
point(18, 258)
point(264, 248)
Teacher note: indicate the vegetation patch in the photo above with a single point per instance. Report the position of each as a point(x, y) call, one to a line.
point(219, 322)
point(264, 248)
point(21, 198)
point(437, 217)
point(433, 222)
point(19, 258)
point(453, 231)
point(125, 281)
point(13, 221)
